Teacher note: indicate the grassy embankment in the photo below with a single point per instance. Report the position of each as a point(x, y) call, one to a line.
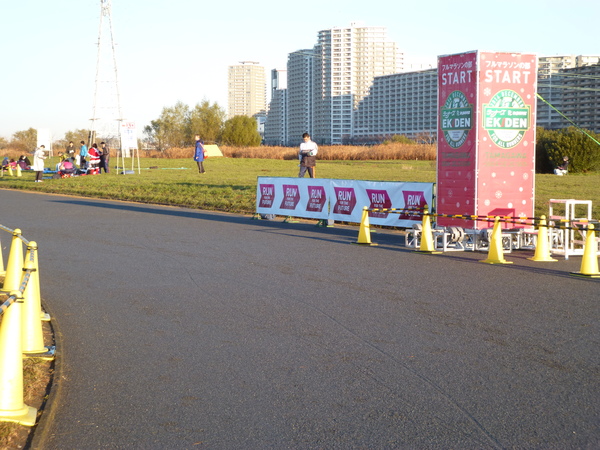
point(171, 178)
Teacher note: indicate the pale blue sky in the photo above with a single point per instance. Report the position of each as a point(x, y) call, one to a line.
point(179, 50)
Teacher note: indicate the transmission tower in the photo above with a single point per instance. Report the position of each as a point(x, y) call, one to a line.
point(106, 114)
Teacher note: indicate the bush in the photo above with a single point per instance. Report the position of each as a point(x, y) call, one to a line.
point(553, 145)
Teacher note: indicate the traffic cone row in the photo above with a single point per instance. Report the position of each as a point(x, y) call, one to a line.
point(589, 262)
point(364, 232)
point(427, 245)
point(542, 249)
point(20, 330)
point(496, 253)
point(2, 269)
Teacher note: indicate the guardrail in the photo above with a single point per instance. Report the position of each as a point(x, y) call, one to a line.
point(21, 333)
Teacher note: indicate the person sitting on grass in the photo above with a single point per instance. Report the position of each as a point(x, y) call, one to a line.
point(66, 169)
point(563, 168)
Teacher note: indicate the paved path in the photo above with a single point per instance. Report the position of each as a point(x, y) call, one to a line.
point(187, 329)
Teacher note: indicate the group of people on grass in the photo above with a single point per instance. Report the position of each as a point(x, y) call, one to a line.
point(23, 163)
point(71, 162)
point(92, 160)
point(87, 161)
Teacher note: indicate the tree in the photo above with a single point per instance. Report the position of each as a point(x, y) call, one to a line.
point(169, 130)
point(206, 120)
point(3, 143)
point(75, 135)
point(581, 147)
point(25, 141)
point(241, 131)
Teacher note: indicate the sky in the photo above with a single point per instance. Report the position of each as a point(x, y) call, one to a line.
point(179, 50)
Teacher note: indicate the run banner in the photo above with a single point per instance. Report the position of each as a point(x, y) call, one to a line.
point(343, 200)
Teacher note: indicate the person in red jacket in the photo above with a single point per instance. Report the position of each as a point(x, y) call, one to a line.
point(94, 159)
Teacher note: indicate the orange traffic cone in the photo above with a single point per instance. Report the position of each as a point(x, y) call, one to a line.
point(495, 254)
point(12, 406)
point(364, 232)
point(427, 245)
point(589, 262)
point(14, 266)
point(32, 332)
point(542, 249)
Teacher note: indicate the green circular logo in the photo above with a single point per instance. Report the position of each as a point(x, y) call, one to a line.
point(456, 119)
point(506, 118)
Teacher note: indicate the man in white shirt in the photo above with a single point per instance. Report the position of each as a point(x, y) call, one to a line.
point(307, 155)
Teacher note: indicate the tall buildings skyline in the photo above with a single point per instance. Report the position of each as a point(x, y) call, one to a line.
point(350, 88)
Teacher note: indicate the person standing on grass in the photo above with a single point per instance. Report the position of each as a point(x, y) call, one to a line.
point(104, 157)
point(94, 154)
point(199, 154)
point(38, 162)
point(307, 155)
point(83, 151)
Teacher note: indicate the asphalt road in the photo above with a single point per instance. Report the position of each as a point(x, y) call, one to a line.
point(187, 329)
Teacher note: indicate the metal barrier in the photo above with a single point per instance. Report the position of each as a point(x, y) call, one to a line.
point(497, 241)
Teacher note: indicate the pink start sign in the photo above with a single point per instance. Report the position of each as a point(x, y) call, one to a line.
point(486, 136)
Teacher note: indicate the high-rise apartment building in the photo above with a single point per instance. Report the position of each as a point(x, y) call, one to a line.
point(346, 60)
point(403, 104)
point(247, 89)
point(300, 88)
point(276, 123)
point(553, 86)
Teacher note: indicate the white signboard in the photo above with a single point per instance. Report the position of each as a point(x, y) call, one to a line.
point(128, 138)
point(44, 137)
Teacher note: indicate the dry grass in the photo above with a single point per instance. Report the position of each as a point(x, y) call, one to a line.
point(392, 151)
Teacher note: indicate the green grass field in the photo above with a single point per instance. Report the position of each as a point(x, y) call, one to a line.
point(230, 183)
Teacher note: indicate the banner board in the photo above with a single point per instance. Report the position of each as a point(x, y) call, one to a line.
point(343, 200)
point(486, 136)
point(128, 138)
point(44, 137)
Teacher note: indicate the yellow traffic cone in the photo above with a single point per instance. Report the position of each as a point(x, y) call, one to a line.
point(32, 333)
point(427, 245)
point(10, 172)
point(14, 266)
point(18, 170)
point(364, 232)
point(2, 269)
point(542, 249)
point(495, 254)
point(12, 406)
point(589, 262)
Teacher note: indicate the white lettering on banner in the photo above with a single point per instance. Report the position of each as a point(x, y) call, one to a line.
point(507, 76)
point(461, 77)
point(291, 192)
point(414, 200)
point(344, 195)
point(267, 190)
point(377, 198)
point(316, 193)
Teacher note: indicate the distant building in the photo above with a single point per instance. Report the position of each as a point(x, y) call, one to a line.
point(402, 103)
point(276, 121)
point(247, 89)
point(346, 60)
point(555, 80)
point(300, 89)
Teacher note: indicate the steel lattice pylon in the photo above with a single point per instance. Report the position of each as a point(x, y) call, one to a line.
point(106, 113)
